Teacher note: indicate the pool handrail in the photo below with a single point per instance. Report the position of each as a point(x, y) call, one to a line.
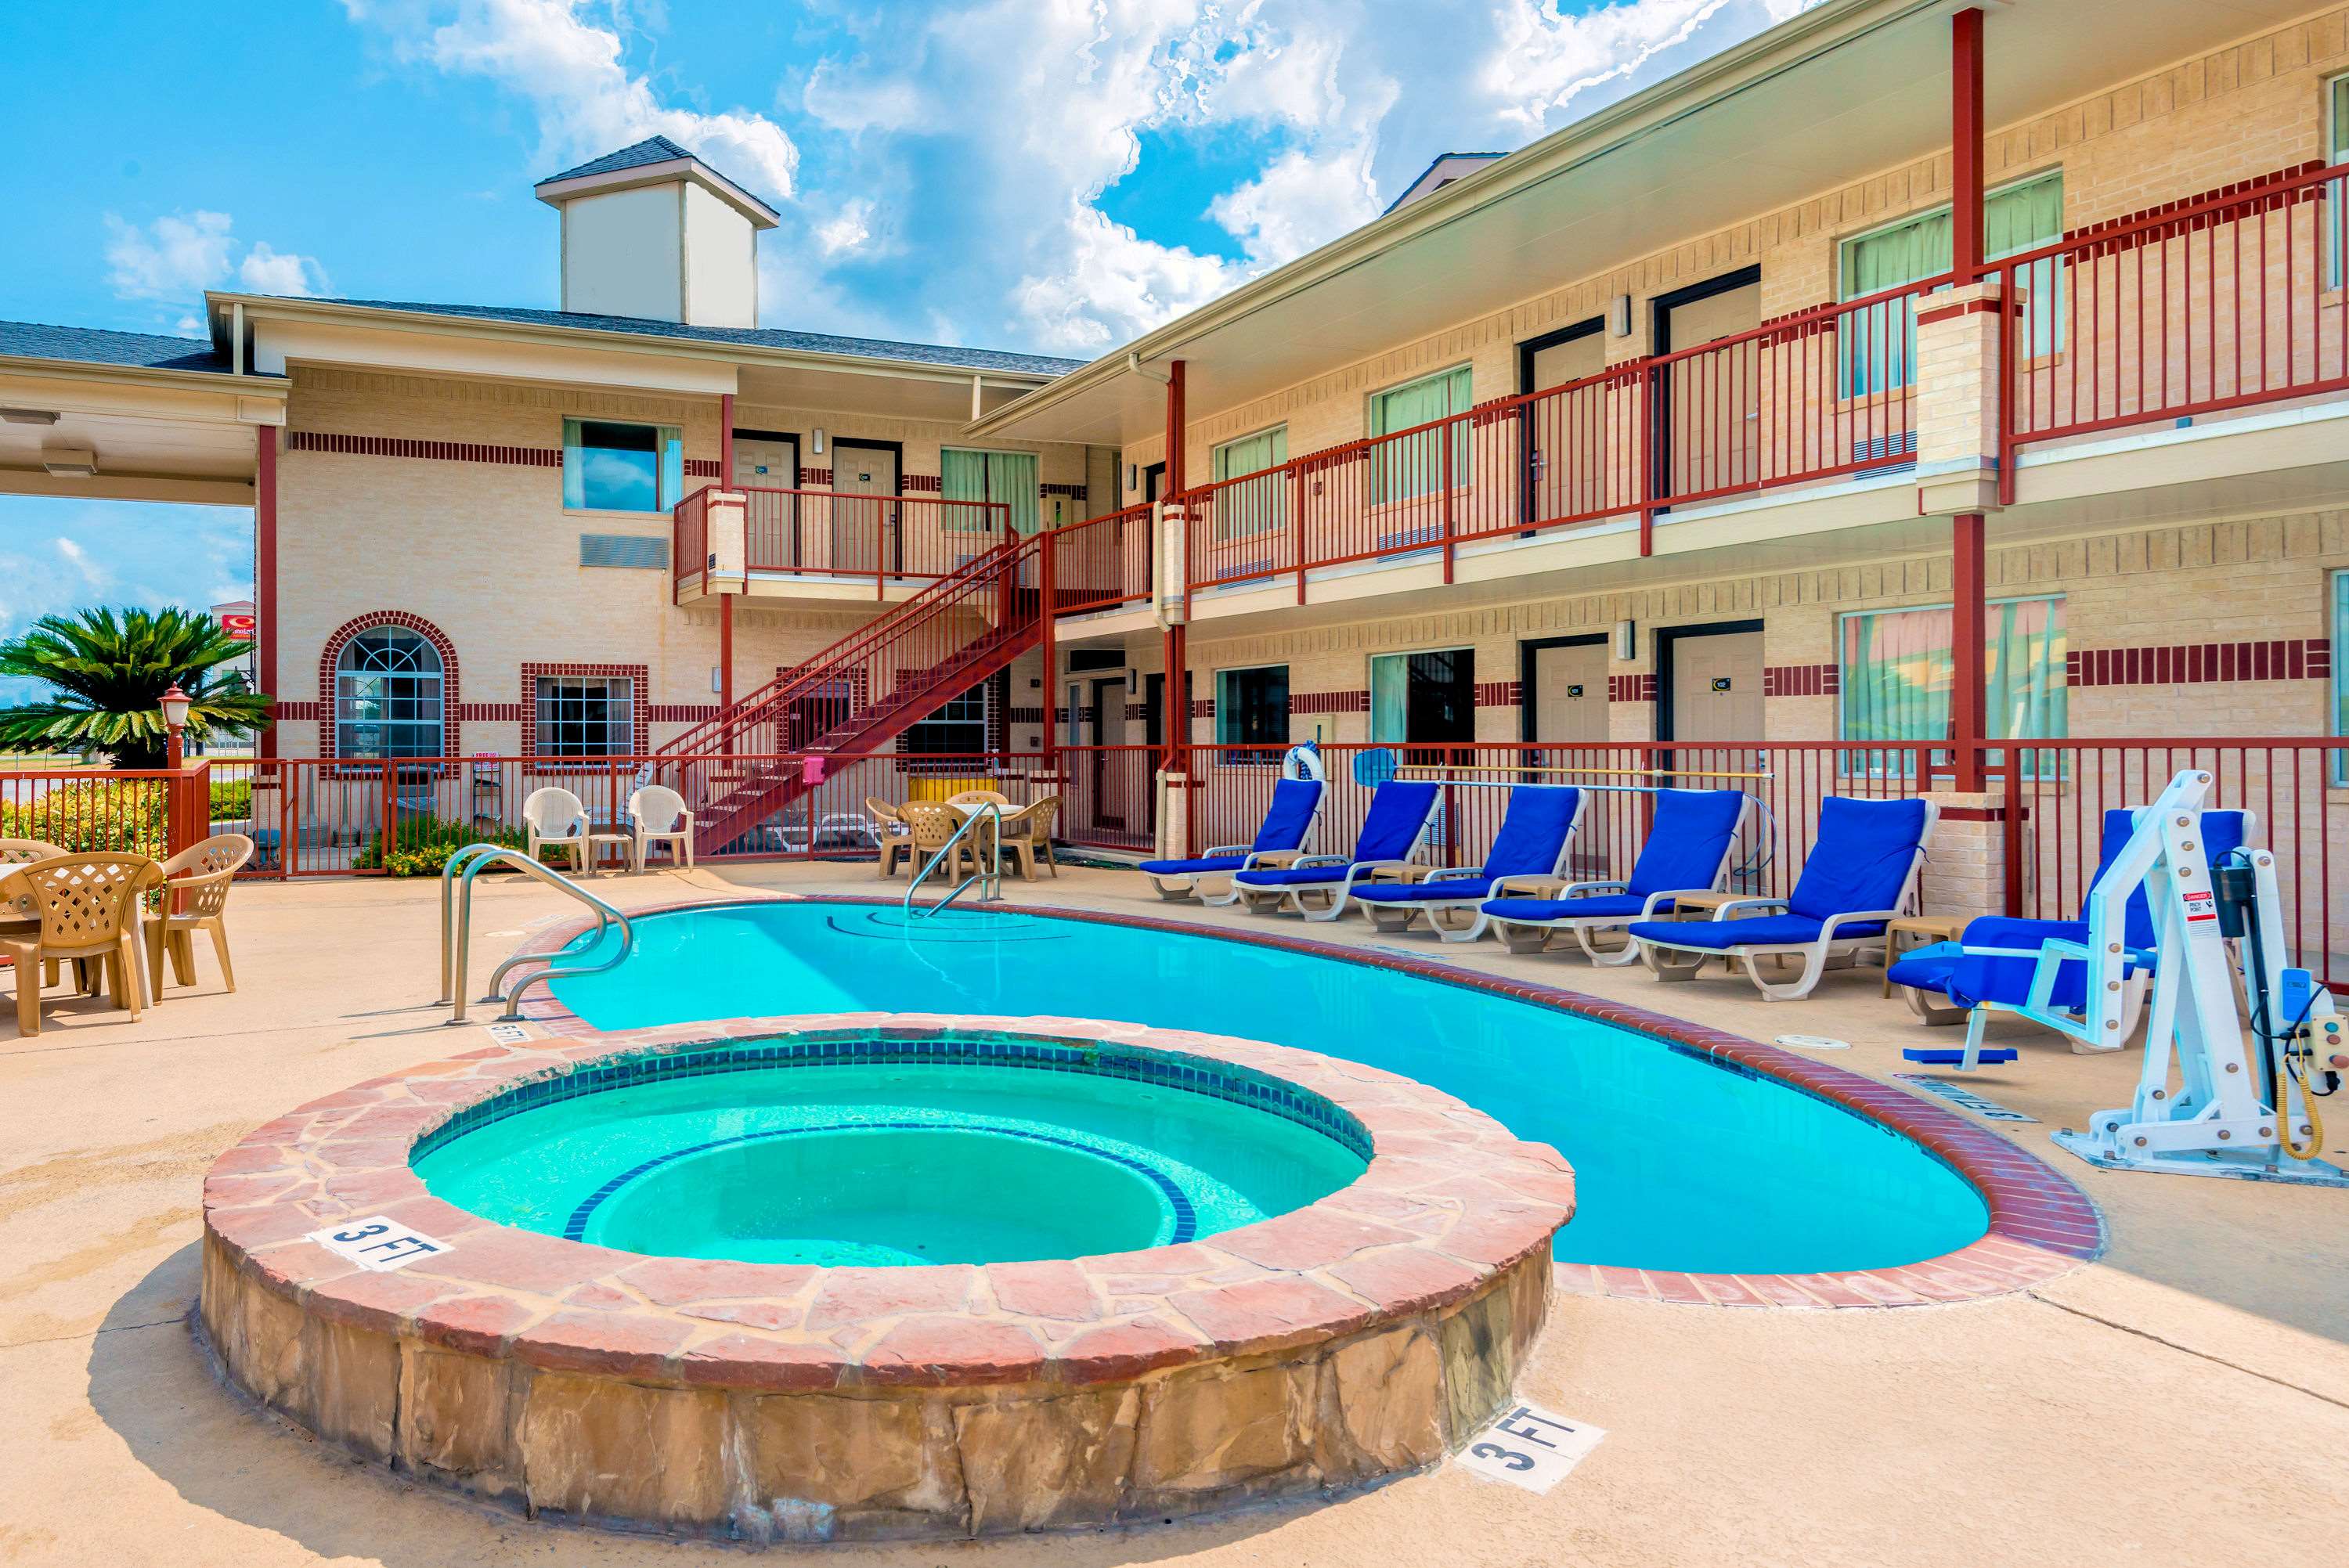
point(991, 873)
point(457, 937)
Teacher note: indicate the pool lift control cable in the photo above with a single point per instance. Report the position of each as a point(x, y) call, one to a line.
point(2217, 1094)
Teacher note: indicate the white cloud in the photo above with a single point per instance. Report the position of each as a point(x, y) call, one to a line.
point(94, 576)
point(848, 229)
point(182, 253)
point(587, 102)
point(1543, 60)
point(1300, 202)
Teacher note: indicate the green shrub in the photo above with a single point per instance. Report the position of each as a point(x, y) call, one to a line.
point(422, 846)
point(232, 800)
point(94, 817)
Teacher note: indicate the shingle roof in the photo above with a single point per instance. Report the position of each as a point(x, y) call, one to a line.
point(651, 149)
point(746, 336)
point(97, 345)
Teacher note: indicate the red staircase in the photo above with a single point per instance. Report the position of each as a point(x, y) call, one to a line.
point(860, 694)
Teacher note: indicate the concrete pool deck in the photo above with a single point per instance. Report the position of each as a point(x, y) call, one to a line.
point(2185, 1396)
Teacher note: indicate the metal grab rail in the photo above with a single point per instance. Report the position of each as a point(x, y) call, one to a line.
point(457, 937)
point(990, 874)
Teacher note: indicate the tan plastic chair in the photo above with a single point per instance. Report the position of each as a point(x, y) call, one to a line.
point(24, 852)
point(896, 838)
point(88, 907)
point(933, 826)
point(660, 817)
point(195, 895)
point(553, 816)
point(978, 798)
point(1027, 837)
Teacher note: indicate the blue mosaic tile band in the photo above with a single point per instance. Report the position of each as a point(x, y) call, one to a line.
point(1187, 1218)
point(1163, 1069)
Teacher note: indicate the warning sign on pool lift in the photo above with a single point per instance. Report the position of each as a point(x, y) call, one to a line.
point(1531, 1447)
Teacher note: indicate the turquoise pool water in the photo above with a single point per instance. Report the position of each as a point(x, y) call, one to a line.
point(1681, 1162)
point(886, 1163)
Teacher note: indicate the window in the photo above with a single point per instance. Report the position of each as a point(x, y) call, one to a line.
point(1251, 709)
point(1898, 671)
point(612, 467)
point(586, 716)
point(1244, 510)
point(2016, 218)
point(1424, 696)
point(2336, 147)
point(1414, 466)
point(959, 727)
point(2341, 674)
point(387, 695)
point(1005, 477)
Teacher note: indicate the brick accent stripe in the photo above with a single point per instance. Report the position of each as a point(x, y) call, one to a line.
point(441, 451)
point(1497, 694)
point(493, 712)
point(2201, 663)
point(1639, 687)
point(816, 476)
point(680, 712)
point(1329, 702)
point(703, 468)
point(1801, 680)
point(1069, 492)
point(295, 712)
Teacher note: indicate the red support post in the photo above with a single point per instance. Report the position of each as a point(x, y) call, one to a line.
point(1644, 471)
point(1966, 145)
point(264, 577)
point(1048, 547)
point(1297, 525)
point(1444, 434)
point(1176, 420)
point(1969, 635)
point(726, 660)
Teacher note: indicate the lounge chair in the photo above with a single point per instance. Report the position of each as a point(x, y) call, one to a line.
point(1287, 829)
point(1991, 965)
point(1393, 829)
point(1529, 851)
point(1862, 871)
point(1688, 851)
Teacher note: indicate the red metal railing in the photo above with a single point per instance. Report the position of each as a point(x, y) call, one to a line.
point(1826, 391)
point(2212, 305)
point(817, 533)
point(1101, 562)
point(153, 811)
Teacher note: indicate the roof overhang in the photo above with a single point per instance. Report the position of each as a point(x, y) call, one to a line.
point(287, 332)
point(158, 435)
point(1845, 89)
point(555, 192)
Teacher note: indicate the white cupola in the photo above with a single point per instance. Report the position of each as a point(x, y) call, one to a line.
point(651, 231)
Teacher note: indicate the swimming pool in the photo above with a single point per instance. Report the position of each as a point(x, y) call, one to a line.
point(896, 1156)
point(1682, 1161)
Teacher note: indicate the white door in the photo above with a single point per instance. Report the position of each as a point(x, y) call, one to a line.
point(764, 466)
point(1568, 699)
point(1567, 436)
point(864, 532)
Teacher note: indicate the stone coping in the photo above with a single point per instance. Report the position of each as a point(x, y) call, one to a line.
point(1449, 1202)
point(2042, 1225)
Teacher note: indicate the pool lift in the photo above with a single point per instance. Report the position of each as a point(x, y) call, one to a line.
point(2218, 1095)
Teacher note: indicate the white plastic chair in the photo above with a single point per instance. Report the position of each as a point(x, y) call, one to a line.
point(660, 817)
point(554, 815)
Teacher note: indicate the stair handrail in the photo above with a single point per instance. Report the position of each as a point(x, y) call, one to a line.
point(991, 874)
point(942, 593)
point(457, 938)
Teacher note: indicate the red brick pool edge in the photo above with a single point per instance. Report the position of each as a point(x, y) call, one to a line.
point(2041, 1224)
point(1366, 1333)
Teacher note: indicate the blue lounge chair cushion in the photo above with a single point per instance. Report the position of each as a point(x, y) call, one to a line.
point(1532, 839)
point(1687, 841)
point(1289, 817)
point(1861, 859)
point(1299, 876)
point(1439, 891)
point(1199, 867)
point(1598, 905)
point(1762, 930)
point(1399, 813)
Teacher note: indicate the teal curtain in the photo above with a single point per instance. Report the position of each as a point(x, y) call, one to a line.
point(2025, 669)
point(672, 466)
point(1005, 477)
point(1390, 697)
point(1880, 353)
point(1899, 670)
point(1414, 466)
point(1244, 509)
point(2341, 674)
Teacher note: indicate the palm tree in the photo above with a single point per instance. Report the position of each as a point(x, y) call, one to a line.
point(106, 672)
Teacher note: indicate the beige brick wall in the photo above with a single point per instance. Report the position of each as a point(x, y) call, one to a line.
point(2248, 109)
point(486, 553)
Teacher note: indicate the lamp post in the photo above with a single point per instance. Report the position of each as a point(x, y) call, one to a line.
point(174, 704)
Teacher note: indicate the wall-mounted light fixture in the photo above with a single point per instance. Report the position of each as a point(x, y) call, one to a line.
point(28, 416)
point(815, 442)
point(1133, 476)
point(1619, 315)
point(718, 679)
point(1627, 641)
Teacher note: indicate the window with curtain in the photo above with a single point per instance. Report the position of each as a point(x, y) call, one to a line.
point(608, 466)
point(586, 716)
point(2336, 150)
point(1244, 509)
point(1880, 349)
point(1252, 709)
point(978, 476)
point(387, 695)
point(1417, 698)
point(2341, 674)
point(1898, 671)
point(1414, 466)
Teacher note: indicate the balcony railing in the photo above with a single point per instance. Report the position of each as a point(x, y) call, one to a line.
point(2207, 306)
point(817, 533)
point(1101, 562)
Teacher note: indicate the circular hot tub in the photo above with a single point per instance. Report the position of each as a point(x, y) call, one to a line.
point(862, 1280)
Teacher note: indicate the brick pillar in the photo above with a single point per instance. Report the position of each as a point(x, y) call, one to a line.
point(1961, 340)
point(725, 522)
point(1965, 865)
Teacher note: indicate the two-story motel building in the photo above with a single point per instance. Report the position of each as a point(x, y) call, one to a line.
point(1910, 372)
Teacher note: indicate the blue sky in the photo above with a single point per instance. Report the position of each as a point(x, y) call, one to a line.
point(1049, 175)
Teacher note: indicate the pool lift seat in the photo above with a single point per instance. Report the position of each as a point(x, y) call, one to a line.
point(457, 931)
point(2217, 1094)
